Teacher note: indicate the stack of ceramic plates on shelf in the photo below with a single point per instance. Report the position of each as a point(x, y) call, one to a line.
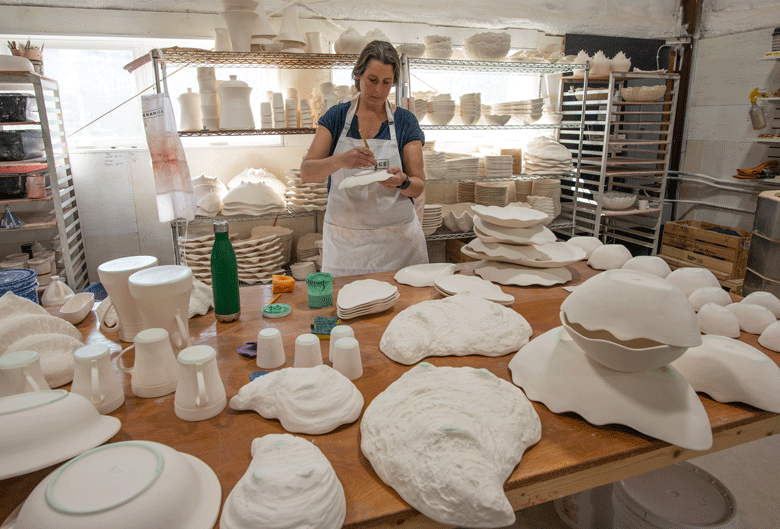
point(449, 285)
point(543, 155)
point(209, 98)
point(466, 192)
point(290, 113)
point(258, 258)
point(545, 205)
point(277, 105)
point(305, 196)
point(517, 249)
point(21, 281)
point(461, 166)
point(498, 166)
point(266, 115)
point(305, 114)
point(285, 236)
point(251, 198)
point(523, 188)
point(435, 169)
point(365, 296)
point(549, 187)
point(432, 218)
point(309, 248)
point(492, 193)
point(470, 108)
point(525, 112)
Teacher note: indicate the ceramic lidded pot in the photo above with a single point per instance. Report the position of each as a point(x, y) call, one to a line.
point(350, 42)
point(236, 111)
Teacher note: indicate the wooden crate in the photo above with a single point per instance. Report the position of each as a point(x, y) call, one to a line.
point(689, 242)
point(733, 286)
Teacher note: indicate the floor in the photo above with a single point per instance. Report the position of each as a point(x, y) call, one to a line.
point(750, 471)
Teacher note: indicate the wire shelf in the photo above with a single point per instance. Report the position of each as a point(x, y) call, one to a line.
point(251, 132)
point(502, 127)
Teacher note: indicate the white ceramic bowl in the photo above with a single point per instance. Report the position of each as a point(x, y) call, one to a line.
point(717, 319)
point(617, 201)
point(411, 49)
point(765, 299)
point(630, 356)
point(125, 485)
point(689, 279)
point(12, 63)
point(651, 264)
point(587, 243)
point(753, 319)
point(487, 46)
point(609, 257)
point(77, 307)
point(492, 119)
point(702, 296)
point(631, 305)
point(438, 53)
point(770, 338)
point(642, 93)
point(458, 217)
point(440, 118)
point(42, 428)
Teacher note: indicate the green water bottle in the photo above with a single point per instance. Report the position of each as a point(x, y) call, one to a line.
point(224, 275)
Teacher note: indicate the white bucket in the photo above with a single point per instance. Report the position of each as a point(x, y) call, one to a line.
point(681, 496)
point(589, 509)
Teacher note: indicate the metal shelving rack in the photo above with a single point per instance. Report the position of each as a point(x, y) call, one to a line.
point(625, 147)
point(62, 195)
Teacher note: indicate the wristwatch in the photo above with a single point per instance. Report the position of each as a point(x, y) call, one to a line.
point(406, 183)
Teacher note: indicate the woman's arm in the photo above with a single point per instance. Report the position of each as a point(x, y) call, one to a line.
point(413, 163)
point(317, 165)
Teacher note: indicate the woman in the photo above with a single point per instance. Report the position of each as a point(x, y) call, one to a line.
point(370, 228)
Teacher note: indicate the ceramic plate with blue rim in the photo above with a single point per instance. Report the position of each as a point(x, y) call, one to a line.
point(16, 277)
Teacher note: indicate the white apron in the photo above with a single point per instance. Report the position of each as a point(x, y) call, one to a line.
point(369, 228)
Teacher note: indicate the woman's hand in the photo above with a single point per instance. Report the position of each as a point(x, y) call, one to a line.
point(398, 177)
point(357, 158)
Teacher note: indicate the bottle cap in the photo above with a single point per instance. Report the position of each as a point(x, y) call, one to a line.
point(221, 226)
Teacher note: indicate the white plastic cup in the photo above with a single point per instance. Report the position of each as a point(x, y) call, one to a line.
point(339, 331)
point(307, 351)
point(346, 358)
point(20, 372)
point(270, 350)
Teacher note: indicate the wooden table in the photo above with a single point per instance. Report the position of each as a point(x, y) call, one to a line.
point(572, 455)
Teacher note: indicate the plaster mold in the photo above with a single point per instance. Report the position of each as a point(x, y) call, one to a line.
point(660, 403)
point(732, 371)
point(289, 484)
point(56, 354)
point(609, 257)
point(459, 325)
point(310, 400)
point(648, 263)
point(587, 243)
point(425, 434)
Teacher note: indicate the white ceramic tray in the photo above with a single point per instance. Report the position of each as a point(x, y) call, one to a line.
point(455, 284)
point(511, 274)
point(551, 255)
point(489, 232)
point(511, 217)
point(423, 275)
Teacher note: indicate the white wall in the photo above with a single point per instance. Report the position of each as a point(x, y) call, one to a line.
point(719, 135)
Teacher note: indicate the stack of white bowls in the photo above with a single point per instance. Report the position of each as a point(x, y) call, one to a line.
point(438, 47)
point(487, 46)
point(441, 109)
point(420, 108)
point(209, 98)
point(414, 50)
point(290, 113)
point(277, 106)
point(290, 35)
point(266, 115)
point(432, 218)
point(470, 108)
point(305, 114)
point(551, 188)
point(241, 20)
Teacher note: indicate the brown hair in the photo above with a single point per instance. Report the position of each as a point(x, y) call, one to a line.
point(383, 52)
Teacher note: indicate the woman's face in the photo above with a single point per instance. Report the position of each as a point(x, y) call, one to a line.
point(376, 82)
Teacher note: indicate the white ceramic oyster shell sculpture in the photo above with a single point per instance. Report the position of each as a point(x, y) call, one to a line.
point(310, 400)
point(289, 484)
point(424, 434)
point(600, 64)
point(459, 325)
point(620, 63)
point(376, 34)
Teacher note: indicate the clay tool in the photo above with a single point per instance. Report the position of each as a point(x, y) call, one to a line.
point(365, 142)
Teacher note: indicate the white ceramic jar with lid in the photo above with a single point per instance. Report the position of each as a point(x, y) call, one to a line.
point(236, 112)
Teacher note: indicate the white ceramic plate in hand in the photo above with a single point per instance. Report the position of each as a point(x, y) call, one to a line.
point(423, 275)
point(362, 178)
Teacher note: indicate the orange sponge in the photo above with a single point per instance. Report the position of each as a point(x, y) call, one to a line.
point(283, 284)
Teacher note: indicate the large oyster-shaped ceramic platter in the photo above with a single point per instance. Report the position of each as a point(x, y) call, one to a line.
point(289, 484)
point(510, 217)
point(460, 325)
point(311, 400)
point(426, 434)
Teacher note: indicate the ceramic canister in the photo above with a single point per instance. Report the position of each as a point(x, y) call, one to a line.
point(162, 294)
point(190, 111)
point(236, 111)
point(113, 275)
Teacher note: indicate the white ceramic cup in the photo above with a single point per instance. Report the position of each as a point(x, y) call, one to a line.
point(270, 350)
point(339, 331)
point(154, 372)
point(314, 42)
point(200, 394)
point(113, 275)
point(20, 372)
point(162, 295)
point(642, 204)
point(307, 351)
point(346, 358)
point(94, 378)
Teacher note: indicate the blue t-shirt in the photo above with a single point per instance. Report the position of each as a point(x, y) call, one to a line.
point(406, 127)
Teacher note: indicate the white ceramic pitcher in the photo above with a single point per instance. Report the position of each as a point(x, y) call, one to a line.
point(154, 372)
point(113, 275)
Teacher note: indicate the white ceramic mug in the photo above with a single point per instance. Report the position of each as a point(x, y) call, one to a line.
point(154, 372)
point(94, 378)
point(339, 331)
point(346, 358)
point(642, 204)
point(113, 275)
point(20, 372)
point(200, 394)
point(307, 351)
point(270, 350)
point(162, 295)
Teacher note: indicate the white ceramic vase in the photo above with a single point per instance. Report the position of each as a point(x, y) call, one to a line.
point(236, 111)
point(241, 25)
point(190, 111)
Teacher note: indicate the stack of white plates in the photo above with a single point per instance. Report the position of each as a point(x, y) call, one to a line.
point(526, 111)
point(304, 196)
point(523, 188)
point(543, 155)
point(545, 205)
point(277, 103)
point(462, 166)
point(549, 187)
point(454, 284)
point(266, 115)
point(285, 236)
point(305, 112)
point(250, 198)
point(466, 192)
point(290, 113)
point(258, 258)
point(432, 218)
point(365, 296)
point(498, 166)
point(491, 193)
point(470, 108)
point(309, 247)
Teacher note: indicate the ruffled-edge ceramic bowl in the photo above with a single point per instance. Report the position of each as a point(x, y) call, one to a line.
point(770, 338)
point(648, 263)
point(631, 305)
point(609, 257)
point(689, 279)
point(125, 485)
point(753, 319)
point(765, 299)
point(415, 50)
point(77, 307)
point(702, 296)
point(458, 217)
point(587, 243)
point(717, 319)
